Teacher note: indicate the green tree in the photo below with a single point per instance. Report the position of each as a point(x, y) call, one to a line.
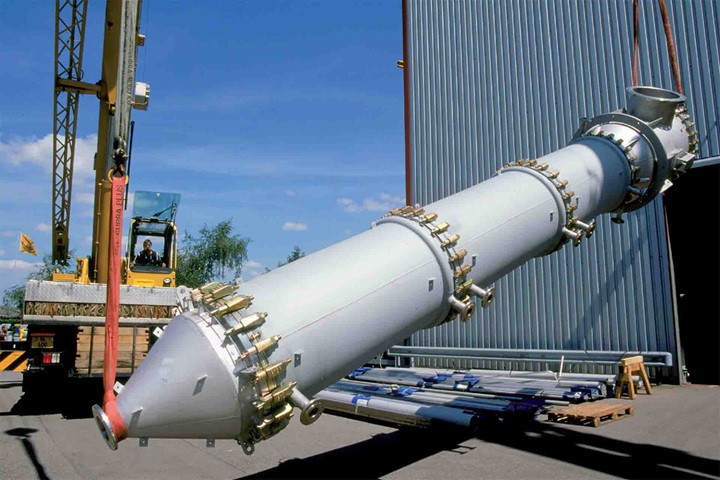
point(210, 255)
point(296, 254)
point(15, 295)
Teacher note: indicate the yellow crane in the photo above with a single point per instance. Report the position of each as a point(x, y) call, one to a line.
point(65, 315)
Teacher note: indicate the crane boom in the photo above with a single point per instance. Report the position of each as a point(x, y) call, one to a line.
point(122, 37)
point(69, 40)
point(115, 91)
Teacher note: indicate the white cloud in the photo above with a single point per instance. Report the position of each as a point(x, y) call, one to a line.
point(8, 233)
point(290, 193)
point(2, 252)
point(294, 227)
point(384, 203)
point(252, 269)
point(42, 227)
point(349, 205)
point(18, 265)
point(253, 264)
point(39, 151)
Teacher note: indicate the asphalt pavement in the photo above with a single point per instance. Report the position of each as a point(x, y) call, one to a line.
point(675, 433)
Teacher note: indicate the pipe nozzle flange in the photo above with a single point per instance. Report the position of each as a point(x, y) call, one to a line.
point(310, 410)
point(103, 423)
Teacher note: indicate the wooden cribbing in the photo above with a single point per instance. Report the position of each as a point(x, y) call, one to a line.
point(133, 345)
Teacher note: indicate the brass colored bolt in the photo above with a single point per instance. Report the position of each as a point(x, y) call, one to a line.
point(458, 255)
point(632, 158)
point(463, 288)
point(232, 304)
point(451, 240)
point(441, 228)
point(275, 398)
point(272, 370)
point(568, 195)
point(462, 271)
point(430, 217)
point(417, 212)
point(283, 413)
point(542, 167)
point(254, 336)
point(562, 183)
point(261, 346)
point(208, 287)
point(266, 427)
point(572, 208)
point(531, 162)
point(553, 174)
point(247, 323)
point(220, 292)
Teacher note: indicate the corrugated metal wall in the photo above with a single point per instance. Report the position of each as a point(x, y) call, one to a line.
point(494, 81)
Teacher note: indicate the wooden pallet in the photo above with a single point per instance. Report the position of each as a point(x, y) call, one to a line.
point(592, 413)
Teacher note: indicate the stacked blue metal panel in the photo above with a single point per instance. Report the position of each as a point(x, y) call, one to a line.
point(494, 81)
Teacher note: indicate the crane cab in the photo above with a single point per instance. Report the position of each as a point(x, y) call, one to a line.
point(153, 220)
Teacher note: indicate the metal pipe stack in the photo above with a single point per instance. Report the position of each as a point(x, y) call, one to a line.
point(237, 363)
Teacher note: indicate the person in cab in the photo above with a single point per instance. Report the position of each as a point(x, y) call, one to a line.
point(148, 256)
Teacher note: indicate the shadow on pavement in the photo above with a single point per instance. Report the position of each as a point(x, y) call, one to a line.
point(372, 458)
point(10, 384)
point(23, 434)
point(603, 454)
point(72, 399)
point(386, 453)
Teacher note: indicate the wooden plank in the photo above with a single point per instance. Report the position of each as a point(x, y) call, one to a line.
point(121, 362)
point(121, 355)
point(100, 331)
point(630, 360)
point(99, 371)
point(125, 347)
point(86, 340)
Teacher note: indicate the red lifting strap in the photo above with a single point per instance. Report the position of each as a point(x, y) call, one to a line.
point(113, 307)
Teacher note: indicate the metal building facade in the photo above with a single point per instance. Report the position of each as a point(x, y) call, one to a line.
point(495, 81)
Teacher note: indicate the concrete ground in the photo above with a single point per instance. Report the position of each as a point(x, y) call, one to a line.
point(675, 433)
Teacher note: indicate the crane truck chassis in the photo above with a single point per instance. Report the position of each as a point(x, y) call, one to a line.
point(66, 329)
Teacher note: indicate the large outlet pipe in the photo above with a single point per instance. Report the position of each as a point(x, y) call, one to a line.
point(234, 364)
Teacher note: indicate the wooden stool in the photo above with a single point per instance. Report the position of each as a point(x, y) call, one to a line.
point(628, 367)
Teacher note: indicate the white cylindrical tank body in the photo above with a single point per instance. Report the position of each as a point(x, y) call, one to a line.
point(223, 370)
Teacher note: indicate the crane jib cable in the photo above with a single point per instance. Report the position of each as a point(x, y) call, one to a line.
point(113, 307)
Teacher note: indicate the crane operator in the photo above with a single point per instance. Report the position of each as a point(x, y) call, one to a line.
point(148, 256)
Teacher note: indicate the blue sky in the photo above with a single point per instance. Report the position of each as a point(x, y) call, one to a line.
point(284, 116)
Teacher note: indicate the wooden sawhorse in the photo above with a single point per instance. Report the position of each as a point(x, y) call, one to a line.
point(628, 367)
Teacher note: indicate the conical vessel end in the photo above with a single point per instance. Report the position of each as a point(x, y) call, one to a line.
point(184, 388)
